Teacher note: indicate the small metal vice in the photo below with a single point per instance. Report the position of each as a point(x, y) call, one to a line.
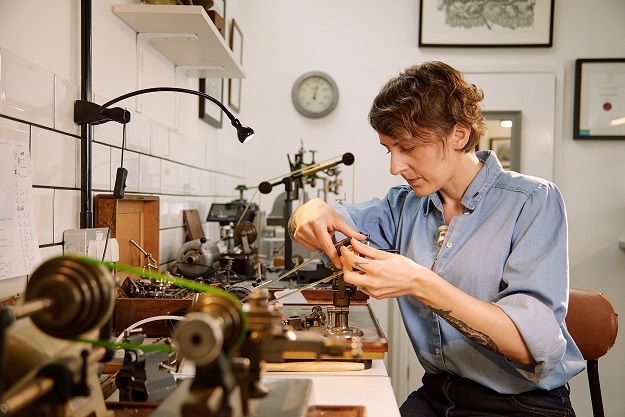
point(145, 375)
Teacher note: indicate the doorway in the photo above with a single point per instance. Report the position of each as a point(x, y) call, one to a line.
point(504, 137)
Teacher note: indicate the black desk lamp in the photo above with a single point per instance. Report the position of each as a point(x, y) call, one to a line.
point(88, 112)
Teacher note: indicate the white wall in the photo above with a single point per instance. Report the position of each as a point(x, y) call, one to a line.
point(361, 43)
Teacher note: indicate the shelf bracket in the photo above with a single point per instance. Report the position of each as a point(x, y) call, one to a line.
point(143, 39)
point(193, 71)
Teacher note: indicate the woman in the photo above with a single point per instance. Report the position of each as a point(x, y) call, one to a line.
point(481, 277)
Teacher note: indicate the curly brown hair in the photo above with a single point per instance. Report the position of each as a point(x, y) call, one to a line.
point(425, 102)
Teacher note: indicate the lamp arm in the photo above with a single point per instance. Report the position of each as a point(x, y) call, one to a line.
point(173, 89)
point(88, 112)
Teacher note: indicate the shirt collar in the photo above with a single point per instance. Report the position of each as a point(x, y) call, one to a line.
point(482, 182)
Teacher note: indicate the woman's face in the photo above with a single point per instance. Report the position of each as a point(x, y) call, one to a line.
point(425, 167)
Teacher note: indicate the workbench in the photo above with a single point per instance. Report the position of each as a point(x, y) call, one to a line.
point(370, 388)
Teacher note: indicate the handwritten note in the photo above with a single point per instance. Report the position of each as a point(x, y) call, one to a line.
point(19, 249)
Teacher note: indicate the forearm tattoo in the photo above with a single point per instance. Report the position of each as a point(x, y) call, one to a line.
point(474, 335)
point(292, 226)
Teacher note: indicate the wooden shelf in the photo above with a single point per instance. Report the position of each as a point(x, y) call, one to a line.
point(208, 50)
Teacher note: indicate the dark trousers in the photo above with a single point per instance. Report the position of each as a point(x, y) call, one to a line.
point(445, 395)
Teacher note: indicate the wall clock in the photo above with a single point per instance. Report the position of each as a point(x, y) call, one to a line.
point(315, 94)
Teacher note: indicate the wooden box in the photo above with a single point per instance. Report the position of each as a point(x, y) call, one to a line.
point(129, 311)
point(136, 218)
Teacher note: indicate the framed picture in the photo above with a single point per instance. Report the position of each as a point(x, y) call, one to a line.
point(501, 146)
point(599, 103)
point(220, 7)
point(234, 84)
point(493, 23)
point(209, 111)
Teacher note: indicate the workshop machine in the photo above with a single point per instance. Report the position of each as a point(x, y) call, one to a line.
point(70, 299)
point(43, 373)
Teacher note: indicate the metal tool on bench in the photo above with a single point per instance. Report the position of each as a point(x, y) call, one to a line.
point(64, 298)
point(342, 292)
point(228, 358)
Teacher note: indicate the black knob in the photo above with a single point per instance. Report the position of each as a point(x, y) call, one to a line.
point(265, 187)
point(348, 158)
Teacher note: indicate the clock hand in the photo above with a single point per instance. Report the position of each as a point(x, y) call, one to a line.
point(316, 88)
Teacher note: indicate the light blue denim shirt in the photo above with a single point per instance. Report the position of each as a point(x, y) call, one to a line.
point(509, 248)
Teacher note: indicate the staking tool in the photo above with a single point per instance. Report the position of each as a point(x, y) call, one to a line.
point(342, 292)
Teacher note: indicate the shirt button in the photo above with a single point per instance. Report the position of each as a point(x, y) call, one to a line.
point(437, 350)
point(449, 244)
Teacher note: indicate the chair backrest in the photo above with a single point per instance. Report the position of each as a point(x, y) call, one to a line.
point(593, 325)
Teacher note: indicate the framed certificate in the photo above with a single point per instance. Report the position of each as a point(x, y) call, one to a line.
point(599, 106)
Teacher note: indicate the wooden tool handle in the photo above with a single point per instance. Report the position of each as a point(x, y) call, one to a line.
point(314, 366)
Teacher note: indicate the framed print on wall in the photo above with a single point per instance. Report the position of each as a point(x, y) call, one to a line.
point(599, 104)
point(494, 23)
point(234, 84)
point(501, 146)
point(209, 111)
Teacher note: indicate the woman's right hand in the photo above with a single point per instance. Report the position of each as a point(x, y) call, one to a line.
point(313, 224)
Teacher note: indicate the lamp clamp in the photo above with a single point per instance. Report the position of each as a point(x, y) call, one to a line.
point(88, 112)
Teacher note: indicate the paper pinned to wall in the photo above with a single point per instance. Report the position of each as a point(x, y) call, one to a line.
point(19, 249)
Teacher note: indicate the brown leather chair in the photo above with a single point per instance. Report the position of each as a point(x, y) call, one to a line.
point(593, 324)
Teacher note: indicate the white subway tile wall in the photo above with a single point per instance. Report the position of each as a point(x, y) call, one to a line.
point(36, 107)
point(12, 130)
point(26, 91)
point(65, 94)
point(100, 168)
point(159, 135)
point(43, 201)
point(66, 212)
point(150, 179)
point(138, 133)
point(54, 158)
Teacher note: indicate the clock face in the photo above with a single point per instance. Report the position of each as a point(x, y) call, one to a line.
point(315, 94)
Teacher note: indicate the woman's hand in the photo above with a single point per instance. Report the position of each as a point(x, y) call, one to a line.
point(381, 274)
point(313, 224)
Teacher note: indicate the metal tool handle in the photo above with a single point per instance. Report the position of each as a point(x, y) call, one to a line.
point(286, 274)
point(307, 286)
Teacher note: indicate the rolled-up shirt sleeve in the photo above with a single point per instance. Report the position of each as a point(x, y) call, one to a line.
point(377, 218)
point(535, 280)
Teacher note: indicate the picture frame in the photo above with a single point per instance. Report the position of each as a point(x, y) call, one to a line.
point(219, 6)
point(599, 99)
point(234, 84)
point(210, 112)
point(496, 23)
point(502, 147)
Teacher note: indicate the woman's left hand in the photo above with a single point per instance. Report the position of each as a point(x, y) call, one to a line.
point(381, 274)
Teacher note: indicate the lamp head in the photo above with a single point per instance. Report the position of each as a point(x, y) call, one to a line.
point(244, 133)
